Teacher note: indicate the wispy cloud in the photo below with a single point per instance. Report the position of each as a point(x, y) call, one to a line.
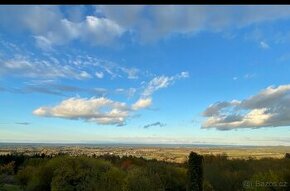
point(79, 67)
point(130, 92)
point(142, 103)
point(33, 68)
point(54, 87)
point(264, 45)
point(160, 82)
point(249, 75)
point(269, 108)
point(22, 123)
point(99, 74)
point(154, 124)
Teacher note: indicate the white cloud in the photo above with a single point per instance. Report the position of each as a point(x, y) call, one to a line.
point(145, 23)
point(132, 73)
point(142, 103)
point(72, 67)
point(25, 66)
point(49, 25)
point(84, 75)
point(172, 19)
point(249, 75)
point(162, 82)
point(37, 19)
point(126, 16)
point(128, 92)
point(184, 74)
point(43, 43)
point(99, 74)
point(264, 45)
point(106, 67)
point(100, 30)
point(155, 84)
point(131, 92)
point(96, 31)
point(269, 108)
point(100, 110)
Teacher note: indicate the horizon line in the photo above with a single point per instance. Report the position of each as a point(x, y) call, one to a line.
point(150, 144)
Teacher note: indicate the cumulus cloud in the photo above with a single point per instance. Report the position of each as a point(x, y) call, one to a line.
point(160, 82)
point(269, 108)
point(142, 103)
point(100, 30)
point(97, 31)
point(35, 18)
point(154, 124)
point(51, 26)
point(100, 110)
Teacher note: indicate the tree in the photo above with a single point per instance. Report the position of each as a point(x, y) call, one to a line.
point(6, 173)
point(195, 172)
point(138, 180)
point(75, 174)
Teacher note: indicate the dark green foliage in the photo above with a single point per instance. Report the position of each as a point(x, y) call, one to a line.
point(287, 156)
point(76, 174)
point(128, 173)
point(228, 175)
point(65, 173)
point(195, 172)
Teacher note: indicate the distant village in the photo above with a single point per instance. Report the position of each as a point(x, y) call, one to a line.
point(176, 154)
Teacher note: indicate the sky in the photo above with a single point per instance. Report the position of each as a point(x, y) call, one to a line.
point(145, 74)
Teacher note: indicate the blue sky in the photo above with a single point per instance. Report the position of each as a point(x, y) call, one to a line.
point(145, 74)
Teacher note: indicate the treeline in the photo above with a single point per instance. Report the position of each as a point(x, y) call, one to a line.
point(110, 173)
